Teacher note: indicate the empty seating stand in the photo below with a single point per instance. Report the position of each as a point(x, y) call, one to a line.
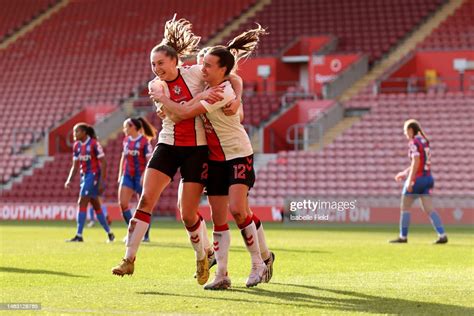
point(372, 27)
point(87, 53)
point(46, 186)
point(364, 160)
point(15, 14)
point(455, 33)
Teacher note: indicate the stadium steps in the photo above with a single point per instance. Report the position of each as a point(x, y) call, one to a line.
point(235, 24)
point(335, 131)
point(40, 162)
point(408, 45)
point(126, 108)
point(34, 23)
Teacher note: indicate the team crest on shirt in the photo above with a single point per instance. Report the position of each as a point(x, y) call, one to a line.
point(177, 90)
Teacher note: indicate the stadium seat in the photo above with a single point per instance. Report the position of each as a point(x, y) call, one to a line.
point(364, 160)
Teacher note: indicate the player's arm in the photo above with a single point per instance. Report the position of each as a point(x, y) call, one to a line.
point(72, 173)
point(163, 113)
point(241, 112)
point(103, 171)
point(189, 109)
point(148, 153)
point(415, 162)
point(402, 175)
point(236, 105)
point(175, 118)
point(120, 168)
point(99, 151)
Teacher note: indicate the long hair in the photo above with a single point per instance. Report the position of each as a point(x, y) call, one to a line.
point(178, 40)
point(88, 129)
point(240, 47)
point(416, 127)
point(142, 123)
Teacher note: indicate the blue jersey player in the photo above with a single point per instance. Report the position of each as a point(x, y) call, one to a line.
point(418, 182)
point(136, 152)
point(88, 156)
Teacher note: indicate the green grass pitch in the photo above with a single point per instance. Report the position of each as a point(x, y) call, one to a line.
point(327, 270)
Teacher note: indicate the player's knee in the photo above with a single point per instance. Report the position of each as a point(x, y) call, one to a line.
point(145, 202)
point(239, 217)
point(238, 213)
point(189, 219)
point(123, 206)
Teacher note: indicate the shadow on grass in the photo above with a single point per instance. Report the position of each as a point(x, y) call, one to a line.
point(347, 301)
point(233, 248)
point(38, 271)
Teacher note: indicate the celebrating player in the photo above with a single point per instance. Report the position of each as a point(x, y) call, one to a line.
point(419, 182)
point(89, 156)
point(136, 152)
point(180, 145)
point(231, 170)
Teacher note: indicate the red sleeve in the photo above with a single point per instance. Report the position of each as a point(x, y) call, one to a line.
point(75, 151)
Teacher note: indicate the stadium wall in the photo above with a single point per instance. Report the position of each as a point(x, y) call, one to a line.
point(267, 213)
point(440, 61)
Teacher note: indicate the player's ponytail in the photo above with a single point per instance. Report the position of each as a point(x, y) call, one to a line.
point(148, 130)
point(88, 129)
point(416, 128)
point(240, 47)
point(178, 40)
point(244, 44)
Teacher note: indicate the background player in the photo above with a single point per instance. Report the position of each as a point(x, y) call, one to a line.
point(136, 152)
point(419, 182)
point(88, 155)
point(91, 215)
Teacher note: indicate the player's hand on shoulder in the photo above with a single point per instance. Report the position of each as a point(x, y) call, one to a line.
point(232, 107)
point(212, 95)
point(154, 84)
point(161, 114)
point(155, 94)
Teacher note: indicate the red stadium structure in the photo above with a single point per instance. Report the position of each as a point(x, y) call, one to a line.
point(66, 61)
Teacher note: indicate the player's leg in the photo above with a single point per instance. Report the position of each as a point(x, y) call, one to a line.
point(96, 203)
point(189, 198)
point(238, 208)
point(194, 170)
point(406, 203)
point(146, 238)
point(427, 206)
point(125, 193)
point(267, 256)
point(91, 214)
point(221, 241)
point(407, 200)
point(82, 203)
point(154, 184)
point(86, 187)
point(106, 213)
point(160, 170)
